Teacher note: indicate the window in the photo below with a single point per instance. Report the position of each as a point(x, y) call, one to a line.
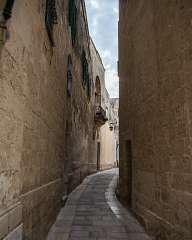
point(6, 12)
point(50, 19)
point(73, 20)
point(69, 76)
point(8, 9)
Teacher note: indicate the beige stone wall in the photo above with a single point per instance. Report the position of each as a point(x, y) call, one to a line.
point(103, 135)
point(108, 147)
point(115, 123)
point(80, 145)
point(107, 136)
point(155, 114)
point(98, 70)
point(32, 120)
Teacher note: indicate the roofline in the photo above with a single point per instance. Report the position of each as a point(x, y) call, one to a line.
point(85, 15)
point(97, 52)
point(85, 18)
point(107, 92)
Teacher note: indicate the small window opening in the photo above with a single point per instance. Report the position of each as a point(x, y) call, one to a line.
point(7, 12)
point(73, 20)
point(50, 19)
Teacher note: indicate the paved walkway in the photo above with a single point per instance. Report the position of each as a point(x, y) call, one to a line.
point(92, 212)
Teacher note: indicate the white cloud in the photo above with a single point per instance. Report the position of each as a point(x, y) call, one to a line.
point(94, 4)
point(105, 53)
point(115, 10)
point(107, 67)
point(103, 26)
point(112, 83)
point(95, 21)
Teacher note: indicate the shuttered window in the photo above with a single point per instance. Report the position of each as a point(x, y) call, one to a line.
point(50, 19)
point(8, 9)
point(73, 20)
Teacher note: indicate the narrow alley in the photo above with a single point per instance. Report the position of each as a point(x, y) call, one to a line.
point(93, 212)
point(96, 119)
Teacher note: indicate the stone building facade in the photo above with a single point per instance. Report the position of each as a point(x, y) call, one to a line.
point(115, 124)
point(80, 106)
point(107, 137)
point(155, 67)
point(45, 111)
point(104, 129)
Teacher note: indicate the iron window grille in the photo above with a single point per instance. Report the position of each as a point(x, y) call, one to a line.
point(50, 19)
point(73, 20)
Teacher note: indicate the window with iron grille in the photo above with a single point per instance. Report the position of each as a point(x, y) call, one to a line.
point(8, 9)
point(50, 19)
point(69, 76)
point(72, 15)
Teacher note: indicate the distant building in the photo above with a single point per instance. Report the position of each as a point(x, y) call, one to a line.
point(115, 124)
point(105, 119)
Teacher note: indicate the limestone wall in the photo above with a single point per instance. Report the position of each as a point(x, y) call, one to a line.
point(33, 117)
point(108, 147)
point(80, 147)
point(98, 71)
point(105, 156)
point(107, 136)
point(155, 114)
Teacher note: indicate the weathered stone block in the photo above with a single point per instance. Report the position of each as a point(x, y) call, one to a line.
point(4, 226)
point(16, 234)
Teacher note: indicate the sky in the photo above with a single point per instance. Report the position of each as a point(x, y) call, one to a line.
point(103, 27)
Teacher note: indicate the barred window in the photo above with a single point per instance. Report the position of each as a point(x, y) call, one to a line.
point(50, 19)
point(8, 9)
point(69, 76)
point(72, 15)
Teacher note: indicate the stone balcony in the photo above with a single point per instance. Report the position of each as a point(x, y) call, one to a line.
point(100, 116)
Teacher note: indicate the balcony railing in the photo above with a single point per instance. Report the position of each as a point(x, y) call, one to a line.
point(100, 116)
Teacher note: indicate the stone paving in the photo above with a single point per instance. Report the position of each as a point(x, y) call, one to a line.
point(92, 212)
